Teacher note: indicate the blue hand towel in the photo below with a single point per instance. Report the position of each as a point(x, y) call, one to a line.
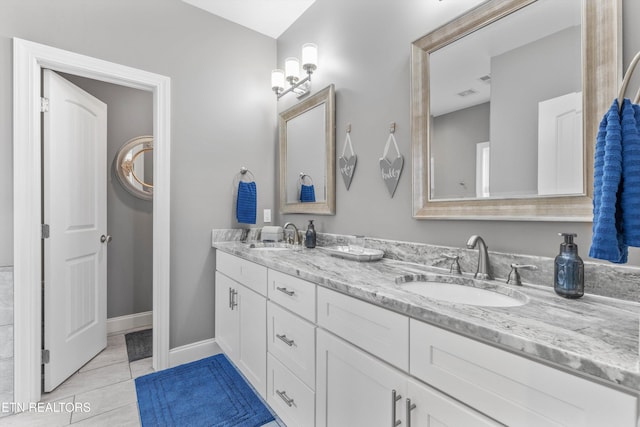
point(307, 193)
point(616, 197)
point(607, 240)
point(246, 203)
point(630, 198)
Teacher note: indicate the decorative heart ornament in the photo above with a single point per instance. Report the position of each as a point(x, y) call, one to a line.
point(347, 165)
point(391, 170)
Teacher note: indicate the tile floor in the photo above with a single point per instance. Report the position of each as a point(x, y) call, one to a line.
point(105, 385)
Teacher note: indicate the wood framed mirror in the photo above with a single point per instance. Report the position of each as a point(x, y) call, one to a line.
point(477, 195)
point(307, 155)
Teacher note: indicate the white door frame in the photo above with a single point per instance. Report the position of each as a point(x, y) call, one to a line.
point(28, 60)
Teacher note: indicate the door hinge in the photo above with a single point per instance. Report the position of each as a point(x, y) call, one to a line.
point(44, 105)
point(45, 356)
point(44, 231)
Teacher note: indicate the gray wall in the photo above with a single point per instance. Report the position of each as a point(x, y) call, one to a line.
point(520, 79)
point(454, 142)
point(129, 219)
point(365, 52)
point(223, 117)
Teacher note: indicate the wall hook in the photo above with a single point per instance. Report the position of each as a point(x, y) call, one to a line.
point(392, 127)
point(348, 127)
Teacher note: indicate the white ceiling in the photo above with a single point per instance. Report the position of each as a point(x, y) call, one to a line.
point(269, 17)
point(458, 66)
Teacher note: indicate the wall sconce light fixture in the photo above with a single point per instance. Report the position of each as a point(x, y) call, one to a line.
point(291, 73)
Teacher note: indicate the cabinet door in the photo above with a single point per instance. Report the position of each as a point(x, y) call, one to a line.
point(355, 389)
point(252, 351)
point(433, 408)
point(226, 316)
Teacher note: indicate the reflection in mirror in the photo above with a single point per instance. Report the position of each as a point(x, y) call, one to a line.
point(306, 160)
point(307, 155)
point(506, 101)
point(134, 167)
point(507, 110)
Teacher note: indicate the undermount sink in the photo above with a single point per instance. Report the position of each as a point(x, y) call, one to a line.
point(463, 291)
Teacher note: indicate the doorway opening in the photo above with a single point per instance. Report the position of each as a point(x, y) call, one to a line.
point(29, 59)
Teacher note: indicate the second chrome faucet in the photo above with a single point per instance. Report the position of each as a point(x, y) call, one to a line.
point(484, 267)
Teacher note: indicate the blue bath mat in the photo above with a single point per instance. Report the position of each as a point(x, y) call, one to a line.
point(208, 392)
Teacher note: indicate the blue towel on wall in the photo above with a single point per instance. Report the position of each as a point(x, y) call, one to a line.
point(307, 193)
point(616, 196)
point(247, 201)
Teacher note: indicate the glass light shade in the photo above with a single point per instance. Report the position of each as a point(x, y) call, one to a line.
point(309, 56)
point(277, 80)
point(292, 68)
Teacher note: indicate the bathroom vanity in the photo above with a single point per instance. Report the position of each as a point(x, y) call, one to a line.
point(332, 342)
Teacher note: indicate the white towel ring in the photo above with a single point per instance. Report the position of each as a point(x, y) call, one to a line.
point(626, 80)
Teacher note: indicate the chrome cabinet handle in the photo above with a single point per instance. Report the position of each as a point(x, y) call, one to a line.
point(230, 299)
point(394, 399)
point(234, 301)
point(410, 407)
point(106, 238)
point(286, 291)
point(283, 395)
point(284, 339)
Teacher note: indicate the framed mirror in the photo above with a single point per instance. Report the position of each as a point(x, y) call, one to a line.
point(506, 102)
point(307, 155)
point(134, 166)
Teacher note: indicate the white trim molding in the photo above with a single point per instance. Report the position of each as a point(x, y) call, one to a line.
point(29, 59)
point(192, 352)
point(130, 321)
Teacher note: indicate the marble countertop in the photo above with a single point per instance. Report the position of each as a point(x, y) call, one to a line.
point(593, 335)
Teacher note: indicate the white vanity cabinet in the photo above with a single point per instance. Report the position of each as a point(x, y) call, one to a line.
point(372, 388)
point(291, 344)
point(512, 389)
point(241, 312)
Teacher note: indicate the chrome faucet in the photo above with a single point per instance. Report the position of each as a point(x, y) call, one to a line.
point(484, 267)
point(296, 237)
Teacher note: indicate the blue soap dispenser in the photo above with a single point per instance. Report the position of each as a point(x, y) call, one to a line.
point(310, 236)
point(568, 272)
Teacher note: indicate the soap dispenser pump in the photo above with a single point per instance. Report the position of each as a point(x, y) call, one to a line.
point(310, 236)
point(568, 273)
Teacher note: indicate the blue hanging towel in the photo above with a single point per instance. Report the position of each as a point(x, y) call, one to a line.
point(247, 201)
point(630, 198)
point(616, 196)
point(307, 193)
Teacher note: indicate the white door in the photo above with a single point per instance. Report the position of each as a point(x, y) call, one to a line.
point(354, 389)
point(74, 206)
point(560, 153)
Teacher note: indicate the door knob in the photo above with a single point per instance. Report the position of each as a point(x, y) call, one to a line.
point(106, 238)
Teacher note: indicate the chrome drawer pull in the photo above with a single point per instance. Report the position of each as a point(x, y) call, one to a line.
point(283, 396)
point(394, 399)
point(286, 291)
point(284, 339)
point(234, 301)
point(410, 407)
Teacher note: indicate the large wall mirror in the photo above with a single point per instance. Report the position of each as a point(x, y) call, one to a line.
point(506, 102)
point(307, 155)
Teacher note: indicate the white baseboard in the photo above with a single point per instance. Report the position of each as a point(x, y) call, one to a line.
point(131, 321)
point(191, 352)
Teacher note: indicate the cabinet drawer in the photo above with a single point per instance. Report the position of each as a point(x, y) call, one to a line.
point(293, 293)
point(512, 389)
point(293, 401)
point(250, 274)
point(292, 341)
point(379, 331)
